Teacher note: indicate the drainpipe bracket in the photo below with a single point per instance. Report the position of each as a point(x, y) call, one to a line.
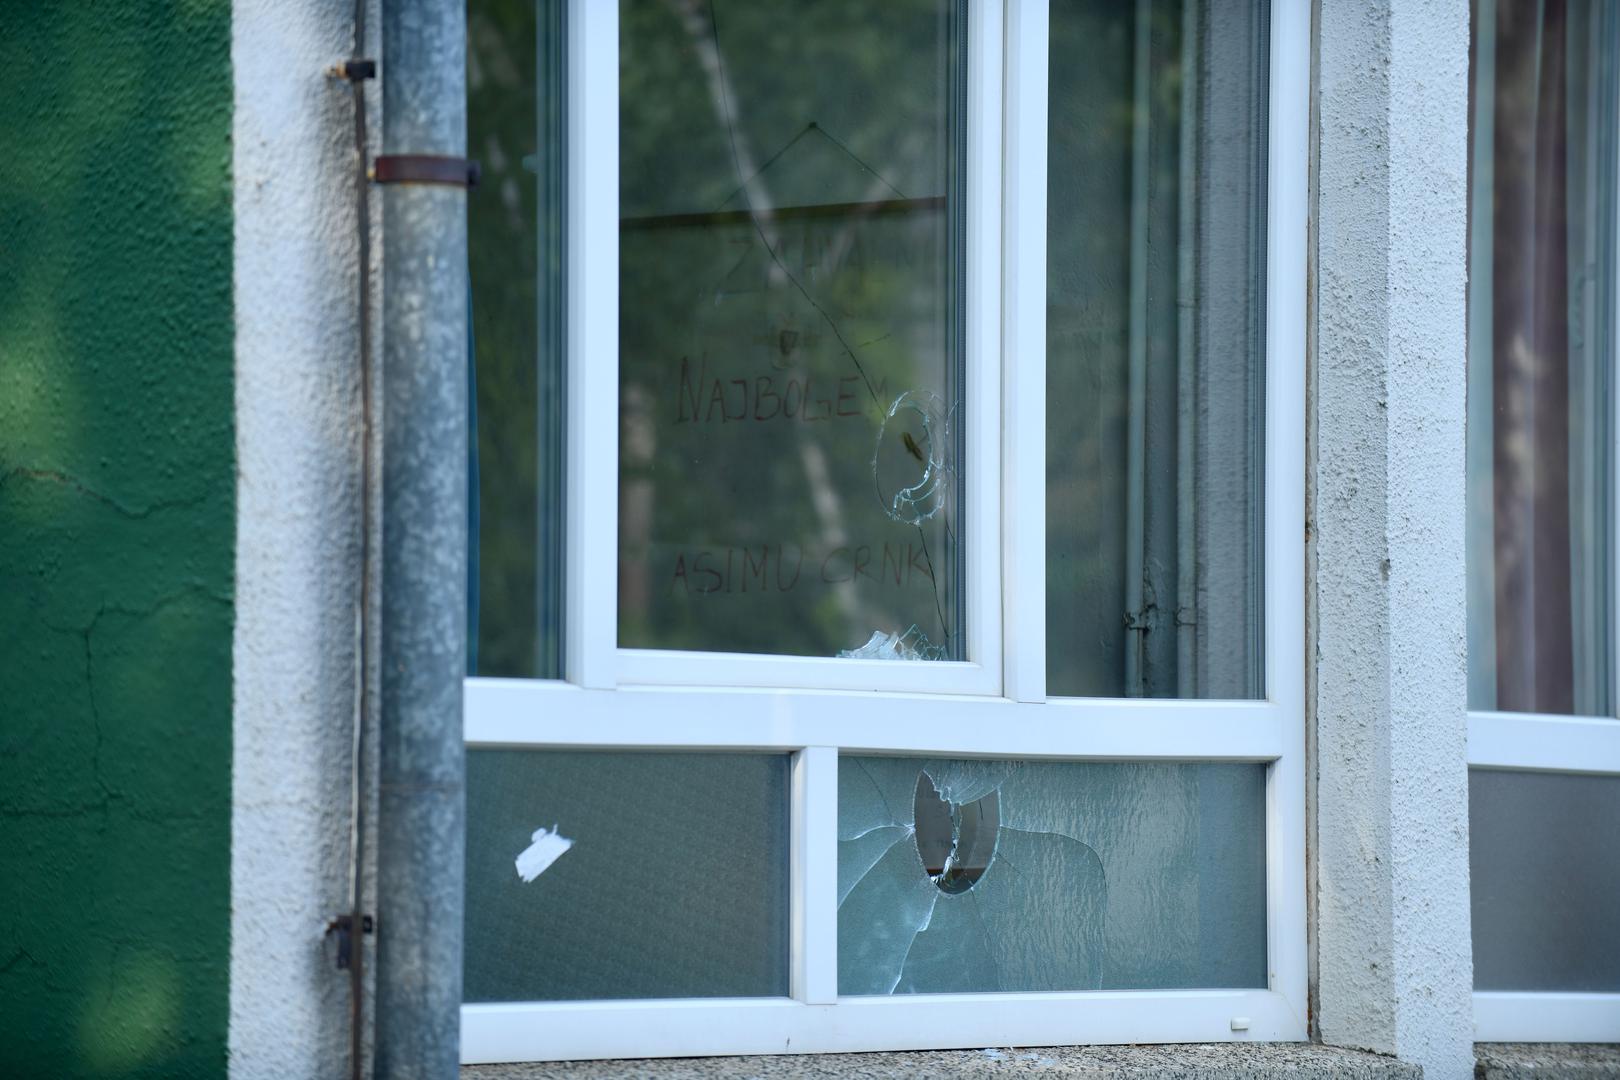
point(354, 70)
point(343, 927)
point(425, 169)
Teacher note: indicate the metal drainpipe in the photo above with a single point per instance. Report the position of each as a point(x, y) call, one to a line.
point(422, 807)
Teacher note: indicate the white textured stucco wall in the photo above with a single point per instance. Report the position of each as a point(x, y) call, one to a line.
point(297, 562)
point(1393, 971)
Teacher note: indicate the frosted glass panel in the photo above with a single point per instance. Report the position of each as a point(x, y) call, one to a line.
point(790, 326)
point(600, 876)
point(969, 876)
point(1156, 284)
point(1544, 863)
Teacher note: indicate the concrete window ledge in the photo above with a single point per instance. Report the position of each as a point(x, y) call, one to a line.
point(1255, 1061)
point(1534, 1061)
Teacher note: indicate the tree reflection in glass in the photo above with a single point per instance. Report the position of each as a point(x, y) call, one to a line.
point(790, 327)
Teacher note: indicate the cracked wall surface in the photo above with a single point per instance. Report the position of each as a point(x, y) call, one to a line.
point(116, 532)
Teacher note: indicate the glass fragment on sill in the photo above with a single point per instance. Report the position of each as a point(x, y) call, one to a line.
point(1074, 876)
point(913, 644)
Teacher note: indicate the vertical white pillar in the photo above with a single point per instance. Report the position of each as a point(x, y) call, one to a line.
point(1393, 969)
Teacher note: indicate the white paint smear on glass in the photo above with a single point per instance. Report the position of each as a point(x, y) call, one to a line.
point(548, 846)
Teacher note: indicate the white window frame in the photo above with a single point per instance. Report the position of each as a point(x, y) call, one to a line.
point(995, 704)
point(1532, 742)
point(1538, 742)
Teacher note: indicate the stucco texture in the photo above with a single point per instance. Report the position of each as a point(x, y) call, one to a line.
point(116, 535)
point(1394, 970)
point(298, 558)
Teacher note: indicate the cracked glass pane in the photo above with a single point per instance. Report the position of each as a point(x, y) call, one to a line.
point(1156, 282)
point(790, 327)
point(1086, 876)
point(598, 876)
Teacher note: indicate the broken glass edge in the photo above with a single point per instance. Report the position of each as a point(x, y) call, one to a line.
point(966, 767)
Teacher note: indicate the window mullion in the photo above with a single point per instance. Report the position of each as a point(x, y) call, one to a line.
point(814, 941)
point(593, 341)
point(1023, 350)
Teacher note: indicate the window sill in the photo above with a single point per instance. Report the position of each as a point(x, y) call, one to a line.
point(1530, 1061)
point(1237, 1061)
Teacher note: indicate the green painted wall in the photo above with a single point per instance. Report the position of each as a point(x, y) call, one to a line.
point(117, 483)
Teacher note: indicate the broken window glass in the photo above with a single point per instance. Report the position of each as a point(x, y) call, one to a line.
point(1156, 280)
point(958, 876)
point(597, 876)
point(790, 330)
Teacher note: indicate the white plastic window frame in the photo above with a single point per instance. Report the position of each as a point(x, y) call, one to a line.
point(1532, 742)
point(1535, 742)
point(995, 703)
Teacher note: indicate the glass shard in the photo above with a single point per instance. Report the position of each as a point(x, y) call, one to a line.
point(911, 645)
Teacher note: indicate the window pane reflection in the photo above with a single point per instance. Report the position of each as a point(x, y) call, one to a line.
point(1155, 334)
point(515, 261)
point(1541, 357)
point(790, 327)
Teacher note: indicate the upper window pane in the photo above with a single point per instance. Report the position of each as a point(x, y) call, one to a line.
point(790, 326)
point(1541, 338)
point(514, 253)
point(1155, 348)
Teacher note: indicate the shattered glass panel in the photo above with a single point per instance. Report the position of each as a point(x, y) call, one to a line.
point(958, 876)
point(790, 327)
point(1544, 866)
point(595, 876)
point(1156, 284)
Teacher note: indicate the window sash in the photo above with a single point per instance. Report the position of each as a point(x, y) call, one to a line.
point(1544, 743)
point(1533, 741)
point(993, 705)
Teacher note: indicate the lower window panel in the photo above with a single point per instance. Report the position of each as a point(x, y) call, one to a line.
point(595, 876)
point(959, 876)
point(1544, 870)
